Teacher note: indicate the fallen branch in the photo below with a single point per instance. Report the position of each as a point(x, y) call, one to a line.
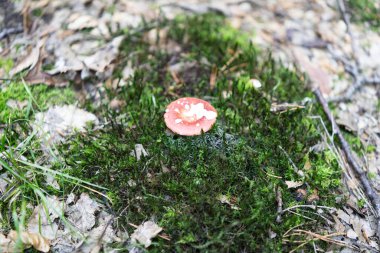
point(368, 188)
point(9, 31)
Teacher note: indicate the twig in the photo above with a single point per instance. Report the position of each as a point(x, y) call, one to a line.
point(279, 204)
point(325, 237)
point(368, 188)
point(298, 171)
point(8, 31)
point(346, 19)
point(308, 206)
point(352, 69)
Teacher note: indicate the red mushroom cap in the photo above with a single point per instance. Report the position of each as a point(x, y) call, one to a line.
point(189, 116)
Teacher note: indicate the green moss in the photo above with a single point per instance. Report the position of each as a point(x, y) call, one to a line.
point(40, 97)
point(366, 11)
point(6, 64)
point(326, 173)
point(248, 154)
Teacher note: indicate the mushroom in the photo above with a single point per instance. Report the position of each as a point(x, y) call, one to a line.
point(190, 116)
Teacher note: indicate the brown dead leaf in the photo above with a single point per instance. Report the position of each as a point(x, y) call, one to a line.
point(231, 201)
point(42, 219)
point(35, 77)
point(6, 244)
point(79, 21)
point(35, 240)
point(343, 216)
point(145, 232)
point(313, 197)
point(28, 62)
point(293, 184)
point(318, 77)
point(352, 234)
point(116, 104)
point(301, 194)
point(103, 57)
point(82, 214)
point(338, 225)
point(307, 165)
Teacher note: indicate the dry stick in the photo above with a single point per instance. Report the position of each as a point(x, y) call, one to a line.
point(370, 192)
point(346, 19)
point(8, 31)
point(279, 204)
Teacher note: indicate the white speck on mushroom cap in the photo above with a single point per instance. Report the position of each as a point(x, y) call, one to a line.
point(198, 111)
point(177, 121)
point(167, 110)
point(197, 125)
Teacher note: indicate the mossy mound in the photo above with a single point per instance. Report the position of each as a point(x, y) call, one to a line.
point(245, 158)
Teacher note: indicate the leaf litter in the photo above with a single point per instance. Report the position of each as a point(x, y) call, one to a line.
point(67, 226)
point(145, 232)
point(58, 122)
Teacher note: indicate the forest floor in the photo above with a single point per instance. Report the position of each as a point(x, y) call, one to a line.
point(88, 165)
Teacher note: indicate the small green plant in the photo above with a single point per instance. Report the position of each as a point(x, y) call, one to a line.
point(361, 203)
point(6, 65)
point(366, 11)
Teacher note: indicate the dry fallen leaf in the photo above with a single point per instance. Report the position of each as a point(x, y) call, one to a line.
point(82, 214)
point(231, 201)
point(318, 77)
point(145, 232)
point(343, 216)
point(80, 21)
point(351, 234)
point(100, 235)
point(36, 77)
point(59, 121)
point(42, 219)
point(66, 60)
point(28, 62)
point(116, 104)
point(313, 197)
point(104, 56)
point(6, 244)
point(293, 184)
point(35, 240)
